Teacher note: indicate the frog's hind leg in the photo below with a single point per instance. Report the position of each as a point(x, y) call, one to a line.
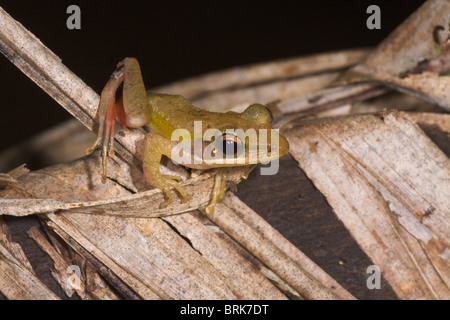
point(106, 106)
point(107, 119)
point(130, 110)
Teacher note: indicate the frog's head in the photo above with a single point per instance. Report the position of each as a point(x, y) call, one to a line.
point(250, 139)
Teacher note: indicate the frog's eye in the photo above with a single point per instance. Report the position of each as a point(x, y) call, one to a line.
point(230, 144)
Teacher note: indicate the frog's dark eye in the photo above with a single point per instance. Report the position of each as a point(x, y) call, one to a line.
point(230, 144)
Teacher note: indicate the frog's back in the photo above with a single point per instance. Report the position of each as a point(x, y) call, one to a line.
point(175, 110)
point(170, 112)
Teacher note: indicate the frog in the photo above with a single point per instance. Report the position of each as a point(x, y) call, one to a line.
point(161, 114)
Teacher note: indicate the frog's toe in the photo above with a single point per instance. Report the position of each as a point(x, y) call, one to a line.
point(165, 204)
point(186, 198)
point(168, 199)
point(170, 182)
point(111, 152)
point(196, 173)
point(172, 177)
point(94, 146)
point(89, 150)
point(210, 208)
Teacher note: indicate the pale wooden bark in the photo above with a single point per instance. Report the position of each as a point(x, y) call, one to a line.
point(70, 282)
point(390, 186)
point(272, 235)
point(17, 278)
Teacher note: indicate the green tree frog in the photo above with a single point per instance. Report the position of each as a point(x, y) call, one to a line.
point(162, 114)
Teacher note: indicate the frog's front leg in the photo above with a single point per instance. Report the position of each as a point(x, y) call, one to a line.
point(220, 187)
point(223, 175)
point(155, 146)
point(131, 110)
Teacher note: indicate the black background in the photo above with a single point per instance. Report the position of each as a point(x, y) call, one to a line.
point(174, 40)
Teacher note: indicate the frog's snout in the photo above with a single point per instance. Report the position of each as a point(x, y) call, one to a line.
point(283, 146)
point(276, 149)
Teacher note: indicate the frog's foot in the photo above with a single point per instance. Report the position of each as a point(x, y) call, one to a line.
point(210, 208)
point(170, 181)
point(95, 145)
point(108, 138)
point(196, 172)
point(107, 119)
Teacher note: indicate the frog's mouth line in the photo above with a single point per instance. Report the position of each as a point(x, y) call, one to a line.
point(263, 156)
